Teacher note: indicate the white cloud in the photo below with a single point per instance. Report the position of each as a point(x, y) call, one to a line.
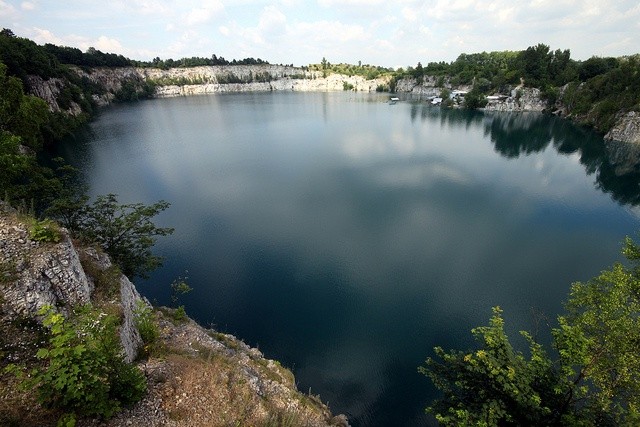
point(6, 9)
point(331, 31)
point(272, 21)
point(204, 13)
point(374, 31)
point(103, 43)
point(107, 44)
point(43, 36)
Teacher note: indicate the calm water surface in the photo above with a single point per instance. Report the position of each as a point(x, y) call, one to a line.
point(347, 237)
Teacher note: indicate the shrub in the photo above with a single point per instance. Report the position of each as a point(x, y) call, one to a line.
point(144, 320)
point(347, 86)
point(83, 371)
point(45, 231)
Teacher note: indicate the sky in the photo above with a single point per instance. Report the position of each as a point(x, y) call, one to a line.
point(378, 32)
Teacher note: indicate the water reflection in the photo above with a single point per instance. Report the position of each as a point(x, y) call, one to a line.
point(616, 165)
point(347, 237)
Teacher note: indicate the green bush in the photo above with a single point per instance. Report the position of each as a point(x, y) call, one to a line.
point(83, 371)
point(45, 231)
point(145, 322)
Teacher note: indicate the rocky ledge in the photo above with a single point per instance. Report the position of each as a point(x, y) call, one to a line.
point(195, 376)
point(626, 129)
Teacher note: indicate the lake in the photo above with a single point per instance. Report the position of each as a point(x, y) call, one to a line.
point(346, 237)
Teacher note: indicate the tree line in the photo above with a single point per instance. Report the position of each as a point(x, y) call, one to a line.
point(196, 61)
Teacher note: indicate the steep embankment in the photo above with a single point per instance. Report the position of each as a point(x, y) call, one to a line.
point(195, 376)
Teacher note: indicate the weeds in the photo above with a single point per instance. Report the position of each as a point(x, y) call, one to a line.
point(45, 231)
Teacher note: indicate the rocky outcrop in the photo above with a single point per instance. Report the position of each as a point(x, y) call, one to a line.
point(427, 87)
point(40, 273)
point(48, 90)
point(129, 299)
point(255, 78)
point(202, 80)
point(626, 129)
point(520, 99)
point(43, 273)
point(214, 379)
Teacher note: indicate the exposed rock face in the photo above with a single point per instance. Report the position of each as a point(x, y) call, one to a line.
point(45, 273)
point(51, 274)
point(626, 129)
point(426, 88)
point(129, 300)
point(521, 99)
point(46, 89)
point(270, 78)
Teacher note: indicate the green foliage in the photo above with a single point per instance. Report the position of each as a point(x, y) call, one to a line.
point(494, 385)
point(24, 57)
point(347, 86)
point(594, 381)
point(613, 90)
point(599, 339)
point(22, 115)
point(145, 322)
point(475, 99)
point(132, 90)
point(45, 231)
point(196, 62)
point(230, 78)
point(179, 287)
point(367, 71)
point(82, 371)
point(180, 81)
point(180, 315)
point(125, 232)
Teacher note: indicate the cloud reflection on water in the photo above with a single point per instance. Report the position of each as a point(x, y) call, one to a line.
point(352, 237)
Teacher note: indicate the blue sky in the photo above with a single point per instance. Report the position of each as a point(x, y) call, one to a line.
point(379, 32)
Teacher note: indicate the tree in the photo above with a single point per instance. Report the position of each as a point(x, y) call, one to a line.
point(125, 232)
point(594, 380)
point(599, 340)
point(475, 99)
point(494, 385)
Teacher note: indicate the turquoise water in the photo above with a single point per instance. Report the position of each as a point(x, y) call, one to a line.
point(347, 237)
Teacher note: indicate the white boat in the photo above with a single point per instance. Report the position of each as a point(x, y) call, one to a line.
point(393, 100)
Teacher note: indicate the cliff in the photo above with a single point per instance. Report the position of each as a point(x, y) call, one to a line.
point(195, 376)
point(132, 83)
point(223, 78)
